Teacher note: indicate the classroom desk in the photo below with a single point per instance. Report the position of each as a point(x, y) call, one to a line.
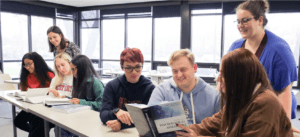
point(85, 123)
point(101, 69)
point(160, 76)
point(12, 81)
point(7, 96)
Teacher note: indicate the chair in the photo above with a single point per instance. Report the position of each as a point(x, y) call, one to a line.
point(154, 82)
point(7, 86)
point(4, 77)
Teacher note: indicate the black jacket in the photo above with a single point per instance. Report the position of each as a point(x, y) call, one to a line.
point(119, 91)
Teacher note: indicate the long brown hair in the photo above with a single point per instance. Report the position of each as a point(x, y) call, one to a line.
point(241, 71)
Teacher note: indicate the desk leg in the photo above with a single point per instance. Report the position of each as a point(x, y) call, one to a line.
point(13, 119)
point(57, 131)
point(46, 128)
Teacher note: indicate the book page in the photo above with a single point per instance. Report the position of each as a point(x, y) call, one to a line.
point(139, 119)
point(167, 115)
point(36, 92)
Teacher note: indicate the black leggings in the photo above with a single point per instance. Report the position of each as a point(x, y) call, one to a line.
point(30, 123)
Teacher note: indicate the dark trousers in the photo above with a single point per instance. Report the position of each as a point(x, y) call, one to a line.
point(30, 123)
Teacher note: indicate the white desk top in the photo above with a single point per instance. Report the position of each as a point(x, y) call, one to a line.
point(100, 69)
point(7, 96)
point(83, 123)
point(12, 81)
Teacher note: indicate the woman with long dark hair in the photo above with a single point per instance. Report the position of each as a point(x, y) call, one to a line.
point(87, 88)
point(35, 73)
point(58, 43)
point(250, 106)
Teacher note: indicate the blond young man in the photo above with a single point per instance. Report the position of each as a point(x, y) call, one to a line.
point(198, 97)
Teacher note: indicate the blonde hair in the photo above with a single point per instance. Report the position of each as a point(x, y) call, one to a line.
point(179, 53)
point(60, 77)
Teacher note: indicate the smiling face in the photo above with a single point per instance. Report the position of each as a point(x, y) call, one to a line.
point(249, 29)
point(134, 76)
point(54, 38)
point(63, 66)
point(183, 73)
point(29, 65)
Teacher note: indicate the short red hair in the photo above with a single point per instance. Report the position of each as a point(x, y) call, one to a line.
point(131, 55)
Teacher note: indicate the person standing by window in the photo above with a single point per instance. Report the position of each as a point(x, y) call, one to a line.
point(58, 43)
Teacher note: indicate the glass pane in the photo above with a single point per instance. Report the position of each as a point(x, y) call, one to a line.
point(113, 38)
point(111, 65)
point(140, 35)
point(167, 37)
point(51, 65)
point(39, 27)
point(90, 42)
point(92, 14)
point(207, 11)
point(14, 30)
point(146, 67)
point(12, 68)
point(206, 38)
point(231, 32)
point(67, 27)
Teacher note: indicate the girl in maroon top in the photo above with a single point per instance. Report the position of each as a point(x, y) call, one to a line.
point(35, 73)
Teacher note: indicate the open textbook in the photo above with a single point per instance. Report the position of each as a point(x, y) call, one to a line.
point(153, 120)
point(36, 95)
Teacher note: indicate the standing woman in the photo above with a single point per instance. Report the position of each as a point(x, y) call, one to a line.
point(34, 74)
point(58, 43)
point(273, 52)
point(87, 89)
point(62, 84)
point(250, 106)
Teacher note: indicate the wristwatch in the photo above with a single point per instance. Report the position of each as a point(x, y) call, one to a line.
point(116, 110)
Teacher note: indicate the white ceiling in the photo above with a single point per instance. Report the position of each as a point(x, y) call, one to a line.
point(85, 3)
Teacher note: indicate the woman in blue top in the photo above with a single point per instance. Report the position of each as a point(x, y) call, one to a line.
point(273, 52)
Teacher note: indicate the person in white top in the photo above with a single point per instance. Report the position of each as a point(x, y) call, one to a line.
point(62, 84)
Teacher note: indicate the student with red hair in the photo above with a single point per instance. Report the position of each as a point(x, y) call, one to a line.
point(132, 87)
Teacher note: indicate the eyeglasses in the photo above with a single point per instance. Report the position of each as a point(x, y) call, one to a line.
point(73, 69)
point(130, 69)
point(244, 21)
point(27, 65)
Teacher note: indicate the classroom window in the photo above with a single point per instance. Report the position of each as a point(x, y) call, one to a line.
point(12, 68)
point(111, 65)
point(230, 33)
point(167, 37)
point(140, 35)
point(90, 39)
point(67, 27)
point(40, 44)
point(206, 38)
point(113, 38)
point(14, 30)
